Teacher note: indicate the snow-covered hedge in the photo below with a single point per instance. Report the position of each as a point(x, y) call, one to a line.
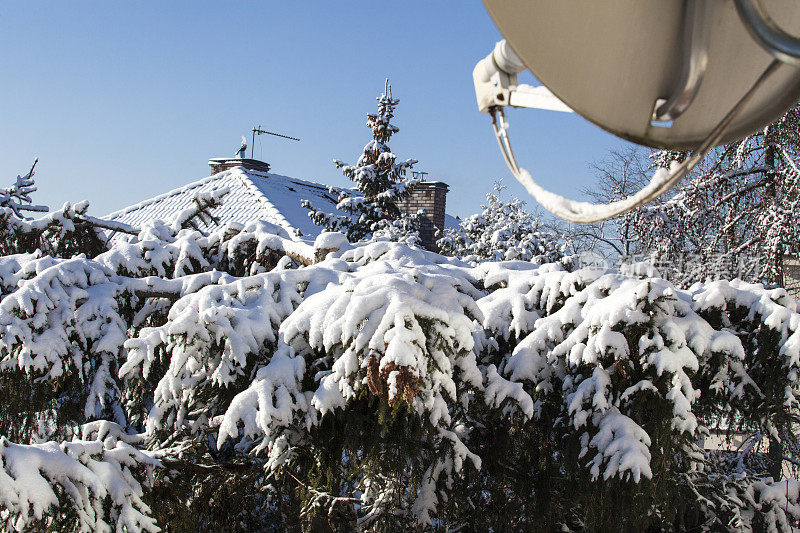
point(502, 231)
point(382, 387)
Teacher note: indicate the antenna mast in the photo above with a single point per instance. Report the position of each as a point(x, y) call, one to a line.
point(259, 131)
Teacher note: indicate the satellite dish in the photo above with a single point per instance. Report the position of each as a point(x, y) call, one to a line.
point(686, 75)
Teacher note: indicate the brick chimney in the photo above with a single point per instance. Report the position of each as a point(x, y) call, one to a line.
point(430, 197)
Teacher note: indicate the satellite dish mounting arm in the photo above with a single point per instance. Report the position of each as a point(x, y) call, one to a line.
point(496, 85)
point(662, 181)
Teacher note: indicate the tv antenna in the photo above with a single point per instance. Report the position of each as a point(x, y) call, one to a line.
point(417, 174)
point(259, 131)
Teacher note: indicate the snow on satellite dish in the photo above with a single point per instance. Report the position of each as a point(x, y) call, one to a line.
point(686, 75)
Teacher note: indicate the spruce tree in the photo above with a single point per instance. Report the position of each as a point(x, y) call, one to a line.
point(380, 182)
point(65, 232)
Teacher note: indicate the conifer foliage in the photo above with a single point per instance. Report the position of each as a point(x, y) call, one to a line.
point(380, 184)
point(501, 231)
point(243, 381)
point(62, 233)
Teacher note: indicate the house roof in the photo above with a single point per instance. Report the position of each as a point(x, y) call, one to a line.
point(252, 196)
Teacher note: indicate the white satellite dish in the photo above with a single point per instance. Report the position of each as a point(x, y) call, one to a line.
point(680, 74)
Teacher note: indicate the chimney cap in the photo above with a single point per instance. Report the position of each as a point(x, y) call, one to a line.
point(218, 164)
point(432, 185)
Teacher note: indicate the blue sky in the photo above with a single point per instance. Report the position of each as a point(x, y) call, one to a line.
point(123, 101)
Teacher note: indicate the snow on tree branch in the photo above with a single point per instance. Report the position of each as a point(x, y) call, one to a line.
point(17, 197)
point(380, 386)
point(95, 478)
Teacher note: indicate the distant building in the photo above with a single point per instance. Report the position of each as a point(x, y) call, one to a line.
point(257, 194)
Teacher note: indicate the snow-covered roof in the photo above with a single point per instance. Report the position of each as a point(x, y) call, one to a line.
point(252, 196)
point(451, 222)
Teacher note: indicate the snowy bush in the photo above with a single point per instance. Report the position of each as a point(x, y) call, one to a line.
point(90, 482)
point(240, 380)
point(502, 231)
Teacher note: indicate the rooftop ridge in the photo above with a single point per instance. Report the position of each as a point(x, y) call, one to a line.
point(174, 192)
point(214, 177)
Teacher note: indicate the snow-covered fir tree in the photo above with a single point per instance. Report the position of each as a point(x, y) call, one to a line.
point(242, 381)
point(501, 231)
point(18, 196)
point(380, 185)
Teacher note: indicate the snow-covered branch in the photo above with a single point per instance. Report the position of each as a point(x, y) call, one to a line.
point(95, 479)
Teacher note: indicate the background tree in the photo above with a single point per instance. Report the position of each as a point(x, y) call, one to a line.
point(734, 216)
point(380, 184)
point(620, 174)
point(62, 233)
point(502, 231)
